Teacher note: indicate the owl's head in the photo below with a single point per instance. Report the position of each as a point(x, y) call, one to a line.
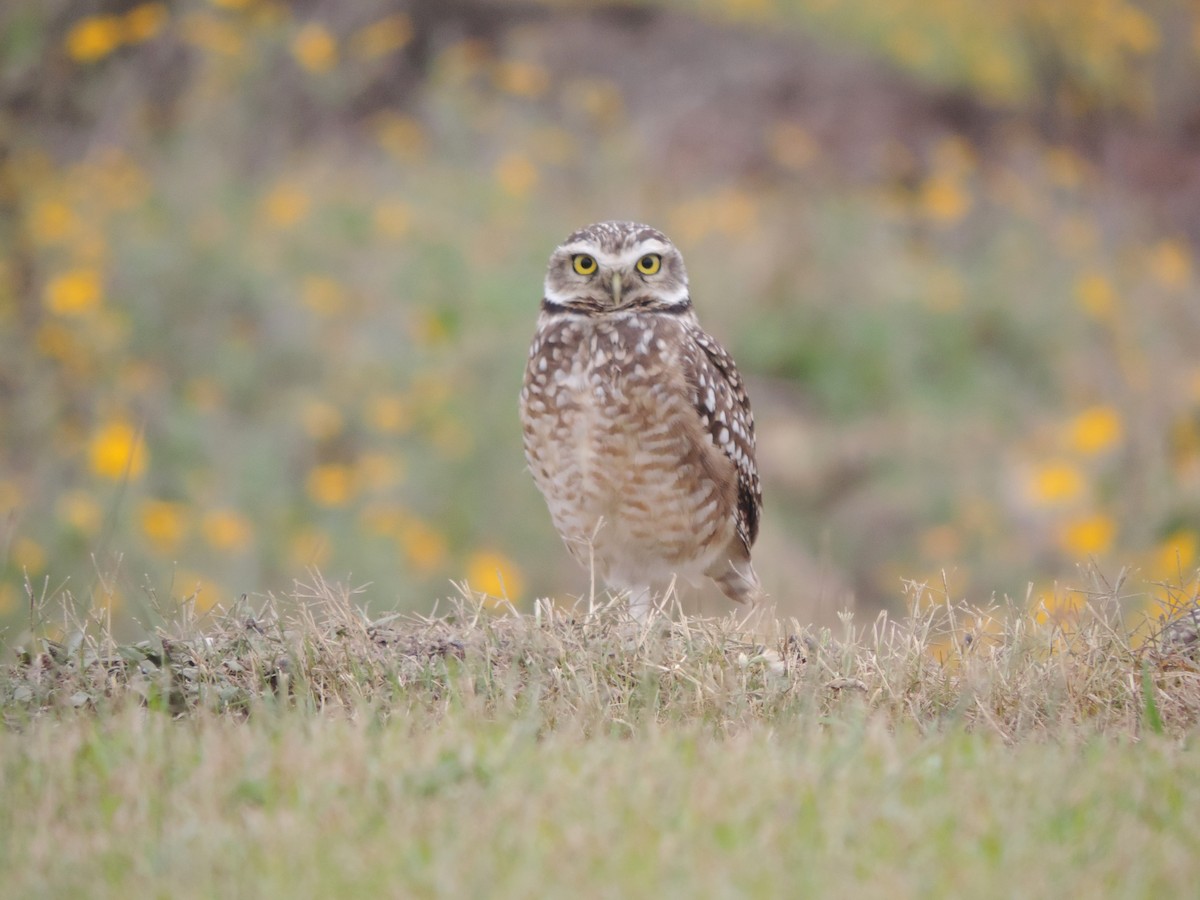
point(613, 267)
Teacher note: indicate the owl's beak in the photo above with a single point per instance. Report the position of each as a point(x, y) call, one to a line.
point(616, 288)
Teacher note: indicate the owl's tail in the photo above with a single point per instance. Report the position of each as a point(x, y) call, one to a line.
point(739, 581)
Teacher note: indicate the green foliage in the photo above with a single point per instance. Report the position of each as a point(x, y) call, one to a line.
point(1152, 717)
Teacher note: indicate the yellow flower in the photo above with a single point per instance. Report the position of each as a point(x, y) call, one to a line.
point(315, 48)
point(331, 484)
point(27, 555)
point(945, 290)
point(310, 548)
point(1177, 552)
point(1171, 264)
point(516, 175)
point(204, 394)
point(451, 437)
point(286, 205)
point(380, 471)
point(1135, 29)
point(1057, 606)
point(1013, 191)
point(1077, 235)
point(322, 295)
point(996, 74)
point(385, 519)
point(600, 99)
point(210, 33)
point(432, 390)
point(56, 341)
point(791, 146)
point(80, 510)
point(119, 181)
point(1185, 445)
point(494, 574)
point(911, 47)
point(1056, 482)
point(9, 598)
point(51, 221)
point(382, 37)
point(164, 524)
point(1095, 430)
point(116, 451)
point(106, 598)
point(73, 293)
point(1087, 535)
point(749, 8)
point(389, 413)
point(321, 420)
point(941, 543)
point(400, 136)
point(392, 219)
point(1095, 295)
point(144, 22)
point(429, 328)
point(198, 590)
point(424, 547)
point(731, 212)
point(523, 79)
point(944, 199)
point(226, 529)
point(94, 38)
point(954, 156)
point(90, 247)
point(10, 497)
point(553, 144)
point(1065, 167)
point(734, 211)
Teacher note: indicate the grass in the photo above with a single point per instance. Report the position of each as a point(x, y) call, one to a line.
point(298, 747)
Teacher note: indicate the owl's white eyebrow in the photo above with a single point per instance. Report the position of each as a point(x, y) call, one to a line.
point(647, 246)
point(589, 249)
point(628, 255)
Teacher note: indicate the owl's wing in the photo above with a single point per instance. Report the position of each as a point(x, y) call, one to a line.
point(720, 398)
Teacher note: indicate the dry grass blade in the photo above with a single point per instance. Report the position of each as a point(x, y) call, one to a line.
point(997, 669)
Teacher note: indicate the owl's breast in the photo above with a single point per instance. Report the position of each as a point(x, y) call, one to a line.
point(592, 392)
point(606, 414)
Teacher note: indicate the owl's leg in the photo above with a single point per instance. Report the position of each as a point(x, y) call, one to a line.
point(641, 603)
point(656, 599)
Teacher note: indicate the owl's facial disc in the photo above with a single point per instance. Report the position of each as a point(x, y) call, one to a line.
point(590, 279)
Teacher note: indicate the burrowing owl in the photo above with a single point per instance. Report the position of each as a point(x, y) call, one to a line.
point(638, 430)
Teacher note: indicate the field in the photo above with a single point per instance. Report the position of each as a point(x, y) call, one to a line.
point(301, 749)
point(281, 612)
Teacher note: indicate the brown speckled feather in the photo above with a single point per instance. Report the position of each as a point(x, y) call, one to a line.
point(724, 407)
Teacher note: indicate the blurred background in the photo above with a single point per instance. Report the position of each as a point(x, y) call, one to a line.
point(268, 273)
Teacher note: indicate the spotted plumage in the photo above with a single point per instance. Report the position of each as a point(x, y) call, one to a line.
point(637, 426)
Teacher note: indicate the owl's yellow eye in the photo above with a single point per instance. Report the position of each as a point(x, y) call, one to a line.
point(649, 264)
point(583, 264)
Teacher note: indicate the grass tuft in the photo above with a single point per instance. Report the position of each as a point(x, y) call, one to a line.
point(1000, 669)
